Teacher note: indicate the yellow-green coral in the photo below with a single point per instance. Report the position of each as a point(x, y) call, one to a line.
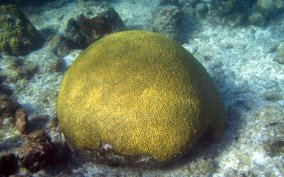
point(140, 93)
point(16, 38)
point(14, 43)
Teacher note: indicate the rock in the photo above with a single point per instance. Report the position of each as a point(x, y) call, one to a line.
point(85, 3)
point(280, 53)
point(40, 152)
point(75, 34)
point(25, 2)
point(201, 8)
point(270, 7)
point(28, 70)
point(275, 148)
point(167, 20)
point(169, 2)
point(257, 19)
point(234, 12)
point(231, 172)
point(243, 12)
point(103, 23)
point(69, 59)
point(37, 152)
point(37, 123)
point(273, 118)
point(225, 6)
point(84, 31)
point(206, 167)
point(279, 59)
point(144, 101)
point(8, 164)
point(8, 106)
point(57, 65)
point(59, 45)
point(265, 10)
point(4, 89)
point(192, 2)
point(18, 69)
point(21, 121)
point(18, 36)
point(189, 20)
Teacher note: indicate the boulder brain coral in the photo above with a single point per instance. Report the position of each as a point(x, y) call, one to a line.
point(137, 98)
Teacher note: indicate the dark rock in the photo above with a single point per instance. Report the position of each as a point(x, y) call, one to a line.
point(18, 69)
point(280, 53)
point(4, 89)
point(37, 152)
point(225, 6)
point(192, 2)
point(279, 59)
point(38, 122)
point(189, 19)
point(235, 12)
point(59, 45)
point(28, 70)
point(75, 34)
point(272, 96)
point(85, 3)
point(243, 12)
point(264, 11)
point(275, 148)
point(231, 172)
point(84, 31)
point(206, 167)
point(167, 20)
point(169, 2)
point(269, 7)
point(257, 19)
point(201, 8)
point(58, 65)
point(40, 152)
point(8, 106)
point(18, 36)
point(8, 164)
point(25, 2)
point(102, 24)
point(62, 154)
point(21, 121)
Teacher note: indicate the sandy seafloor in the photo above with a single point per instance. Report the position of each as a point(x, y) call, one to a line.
point(239, 60)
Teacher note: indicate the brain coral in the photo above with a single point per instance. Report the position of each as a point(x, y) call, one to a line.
point(137, 98)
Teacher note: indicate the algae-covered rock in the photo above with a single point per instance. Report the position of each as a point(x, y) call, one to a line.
point(17, 35)
point(137, 98)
